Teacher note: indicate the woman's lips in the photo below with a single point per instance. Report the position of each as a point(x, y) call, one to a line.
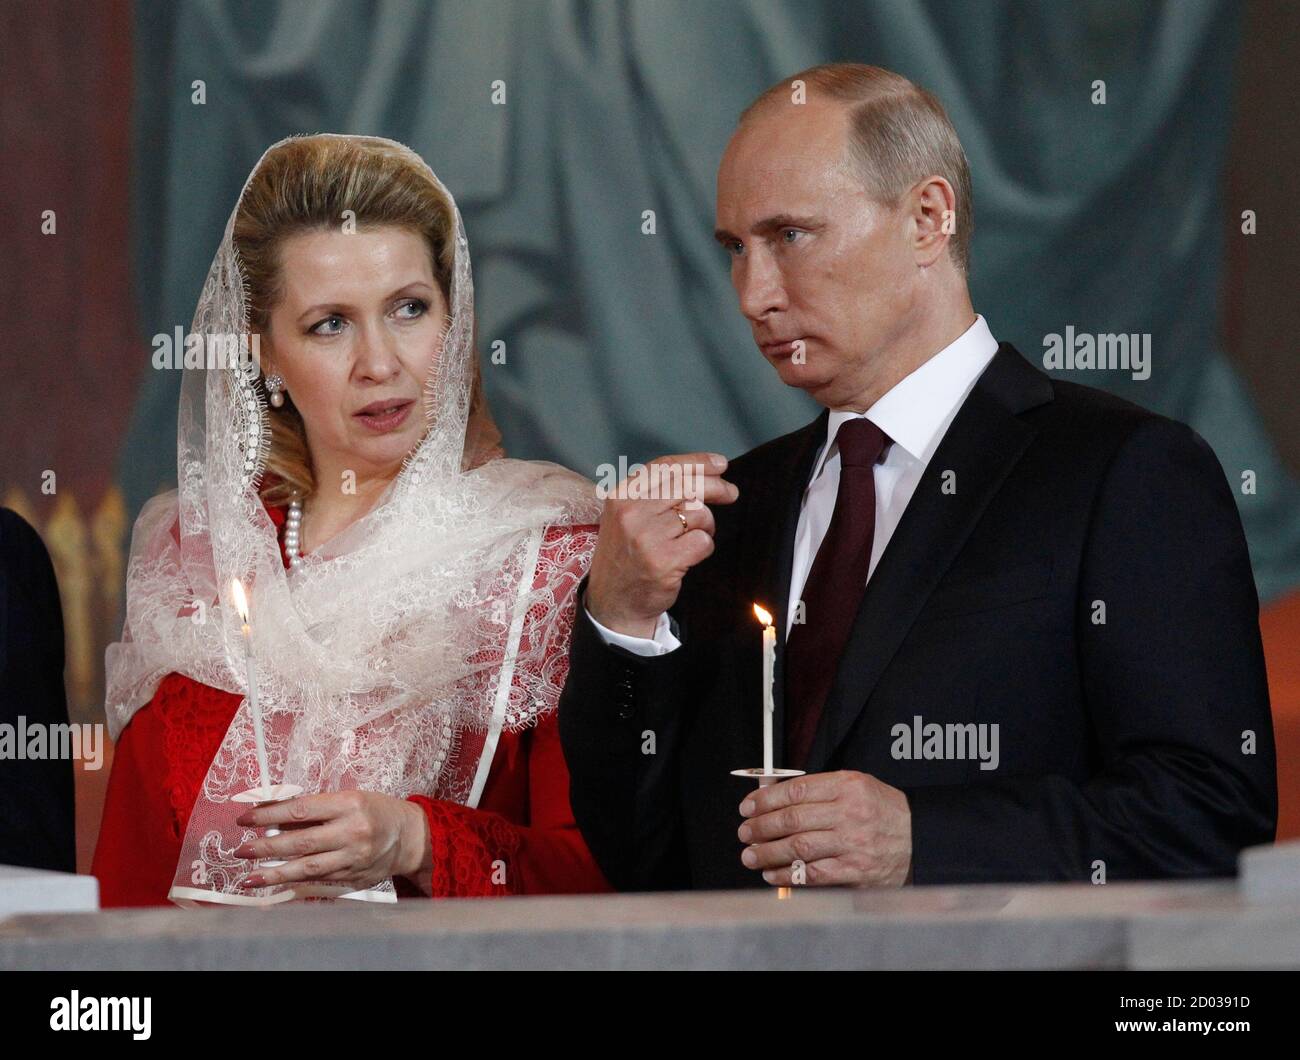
point(384, 416)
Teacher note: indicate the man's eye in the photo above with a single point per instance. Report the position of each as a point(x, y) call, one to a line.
point(735, 247)
point(786, 233)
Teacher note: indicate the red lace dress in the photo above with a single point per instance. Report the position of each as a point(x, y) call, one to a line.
point(523, 818)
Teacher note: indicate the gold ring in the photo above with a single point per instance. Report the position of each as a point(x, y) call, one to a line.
point(682, 516)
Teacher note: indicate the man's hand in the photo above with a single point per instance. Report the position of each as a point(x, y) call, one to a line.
point(644, 550)
point(842, 828)
point(354, 837)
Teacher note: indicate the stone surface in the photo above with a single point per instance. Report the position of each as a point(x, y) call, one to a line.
point(1270, 873)
point(24, 890)
point(1154, 925)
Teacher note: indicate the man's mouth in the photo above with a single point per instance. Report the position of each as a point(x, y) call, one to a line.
point(384, 416)
point(780, 348)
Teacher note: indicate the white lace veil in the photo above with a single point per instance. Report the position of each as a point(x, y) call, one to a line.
point(393, 656)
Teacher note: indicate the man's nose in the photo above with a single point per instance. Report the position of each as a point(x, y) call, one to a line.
point(759, 286)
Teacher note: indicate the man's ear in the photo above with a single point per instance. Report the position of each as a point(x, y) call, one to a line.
point(934, 209)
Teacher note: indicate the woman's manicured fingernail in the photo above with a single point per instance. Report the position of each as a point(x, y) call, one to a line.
point(257, 880)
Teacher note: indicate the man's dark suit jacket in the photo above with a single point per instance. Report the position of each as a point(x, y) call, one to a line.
point(1143, 741)
point(37, 818)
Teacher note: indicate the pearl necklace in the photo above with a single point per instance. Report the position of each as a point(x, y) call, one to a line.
point(293, 534)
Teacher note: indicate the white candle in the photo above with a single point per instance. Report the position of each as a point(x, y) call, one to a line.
point(769, 666)
point(241, 605)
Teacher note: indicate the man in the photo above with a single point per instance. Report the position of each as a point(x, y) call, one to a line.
point(1016, 622)
point(37, 810)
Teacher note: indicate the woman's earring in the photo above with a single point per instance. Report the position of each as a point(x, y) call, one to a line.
point(275, 388)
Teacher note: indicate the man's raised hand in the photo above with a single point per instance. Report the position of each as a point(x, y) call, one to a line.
point(656, 526)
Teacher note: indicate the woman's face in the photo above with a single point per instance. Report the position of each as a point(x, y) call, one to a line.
point(354, 335)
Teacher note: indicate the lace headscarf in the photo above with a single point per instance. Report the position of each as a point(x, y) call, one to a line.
point(391, 659)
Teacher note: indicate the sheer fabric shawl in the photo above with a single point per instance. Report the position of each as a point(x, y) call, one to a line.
point(391, 659)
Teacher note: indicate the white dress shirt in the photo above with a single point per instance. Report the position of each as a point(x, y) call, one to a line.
point(916, 414)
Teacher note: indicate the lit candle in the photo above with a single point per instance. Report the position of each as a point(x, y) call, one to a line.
point(769, 666)
point(241, 605)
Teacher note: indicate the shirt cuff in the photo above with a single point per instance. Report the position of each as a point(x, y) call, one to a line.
point(661, 644)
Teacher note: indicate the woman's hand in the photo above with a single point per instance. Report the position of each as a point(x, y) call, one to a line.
point(358, 838)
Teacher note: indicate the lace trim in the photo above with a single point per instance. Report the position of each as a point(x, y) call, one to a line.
point(548, 623)
point(195, 718)
point(473, 849)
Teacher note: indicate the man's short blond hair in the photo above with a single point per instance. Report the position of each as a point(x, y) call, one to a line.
point(900, 134)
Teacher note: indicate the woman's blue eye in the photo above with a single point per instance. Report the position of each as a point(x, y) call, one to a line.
point(333, 325)
point(316, 328)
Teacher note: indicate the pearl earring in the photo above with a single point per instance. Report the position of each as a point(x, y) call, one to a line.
point(275, 388)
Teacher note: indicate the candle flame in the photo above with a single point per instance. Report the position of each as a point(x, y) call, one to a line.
point(241, 601)
point(762, 615)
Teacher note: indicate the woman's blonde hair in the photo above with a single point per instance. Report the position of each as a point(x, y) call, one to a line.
point(305, 185)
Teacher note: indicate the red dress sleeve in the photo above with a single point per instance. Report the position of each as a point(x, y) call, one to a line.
point(159, 762)
point(522, 838)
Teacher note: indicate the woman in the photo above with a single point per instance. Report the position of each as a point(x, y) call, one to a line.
point(411, 590)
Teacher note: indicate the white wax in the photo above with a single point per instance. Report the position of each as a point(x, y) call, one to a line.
point(769, 706)
point(255, 709)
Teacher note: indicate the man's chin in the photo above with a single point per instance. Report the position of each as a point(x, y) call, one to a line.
point(801, 376)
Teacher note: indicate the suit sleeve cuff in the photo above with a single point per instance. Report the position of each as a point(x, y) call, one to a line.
point(663, 641)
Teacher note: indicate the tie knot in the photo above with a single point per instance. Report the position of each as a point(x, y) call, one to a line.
point(861, 442)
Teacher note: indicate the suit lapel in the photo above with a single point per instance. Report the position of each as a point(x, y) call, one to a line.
point(981, 446)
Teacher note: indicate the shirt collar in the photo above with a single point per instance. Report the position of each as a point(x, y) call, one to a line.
point(916, 411)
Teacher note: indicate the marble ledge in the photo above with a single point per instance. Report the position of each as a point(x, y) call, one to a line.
point(1204, 924)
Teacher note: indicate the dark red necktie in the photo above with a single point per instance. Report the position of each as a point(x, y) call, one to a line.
point(834, 588)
